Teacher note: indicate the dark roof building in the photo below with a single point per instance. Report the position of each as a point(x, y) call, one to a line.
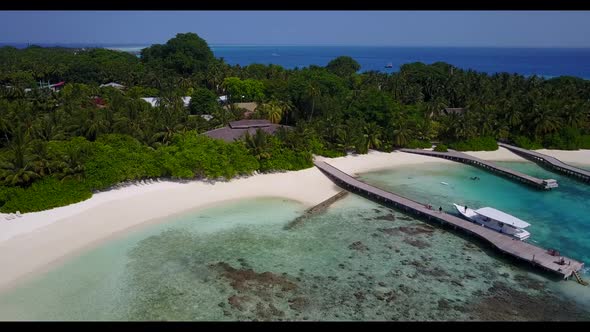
point(113, 85)
point(237, 129)
point(242, 124)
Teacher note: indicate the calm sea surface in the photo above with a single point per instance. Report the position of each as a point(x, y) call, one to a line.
point(547, 62)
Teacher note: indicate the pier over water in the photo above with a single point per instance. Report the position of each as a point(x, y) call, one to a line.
point(489, 166)
point(550, 162)
point(536, 256)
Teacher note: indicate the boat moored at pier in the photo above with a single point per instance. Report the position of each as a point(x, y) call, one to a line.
point(496, 220)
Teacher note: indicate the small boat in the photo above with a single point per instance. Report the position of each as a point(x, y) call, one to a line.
point(446, 184)
point(497, 220)
point(389, 65)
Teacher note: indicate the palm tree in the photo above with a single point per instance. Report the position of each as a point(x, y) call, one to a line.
point(401, 135)
point(18, 169)
point(258, 144)
point(514, 119)
point(423, 128)
point(42, 163)
point(286, 107)
point(272, 111)
point(313, 91)
point(46, 129)
point(223, 115)
point(6, 119)
point(165, 134)
point(347, 139)
point(131, 119)
point(71, 165)
point(94, 124)
point(544, 121)
point(574, 116)
point(373, 136)
point(487, 120)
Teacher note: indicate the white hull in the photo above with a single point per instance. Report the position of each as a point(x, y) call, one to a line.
point(472, 216)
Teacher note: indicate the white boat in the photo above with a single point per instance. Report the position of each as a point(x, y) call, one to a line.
point(496, 220)
point(550, 183)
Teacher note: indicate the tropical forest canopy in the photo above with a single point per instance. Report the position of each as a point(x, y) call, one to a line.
point(57, 147)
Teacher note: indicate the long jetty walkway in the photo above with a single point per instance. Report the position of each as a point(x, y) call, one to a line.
point(521, 250)
point(550, 162)
point(487, 165)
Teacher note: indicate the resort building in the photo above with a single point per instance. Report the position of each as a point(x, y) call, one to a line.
point(237, 129)
point(113, 85)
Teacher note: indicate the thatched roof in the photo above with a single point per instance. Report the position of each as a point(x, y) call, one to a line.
point(237, 129)
point(241, 124)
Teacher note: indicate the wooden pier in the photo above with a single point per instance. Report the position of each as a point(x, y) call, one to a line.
point(488, 166)
point(550, 162)
point(518, 249)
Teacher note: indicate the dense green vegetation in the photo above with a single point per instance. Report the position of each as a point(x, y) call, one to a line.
point(441, 148)
point(58, 147)
point(486, 143)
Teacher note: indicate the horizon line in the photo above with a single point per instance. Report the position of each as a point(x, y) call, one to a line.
point(147, 44)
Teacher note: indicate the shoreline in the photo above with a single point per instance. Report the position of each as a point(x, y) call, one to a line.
point(48, 238)
point(573, 157)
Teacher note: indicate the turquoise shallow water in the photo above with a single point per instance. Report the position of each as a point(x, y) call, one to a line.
point(357, 261)
point(559, 218)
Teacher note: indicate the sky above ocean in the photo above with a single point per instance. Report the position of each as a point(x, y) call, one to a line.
point(361, 28)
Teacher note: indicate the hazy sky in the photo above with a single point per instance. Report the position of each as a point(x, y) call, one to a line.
point(403, 28)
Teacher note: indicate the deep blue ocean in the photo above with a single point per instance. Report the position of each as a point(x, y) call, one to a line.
point(546, 62)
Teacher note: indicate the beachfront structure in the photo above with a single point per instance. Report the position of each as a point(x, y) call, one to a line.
point(154, 101)
point(113, 85)
point(43, 85)
point(53, 87)
point(237, 129)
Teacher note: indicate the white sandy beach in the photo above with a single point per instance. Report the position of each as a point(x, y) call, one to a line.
point(502, 154)
point(36, 241)
point(579, 157)
point(574, 157)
